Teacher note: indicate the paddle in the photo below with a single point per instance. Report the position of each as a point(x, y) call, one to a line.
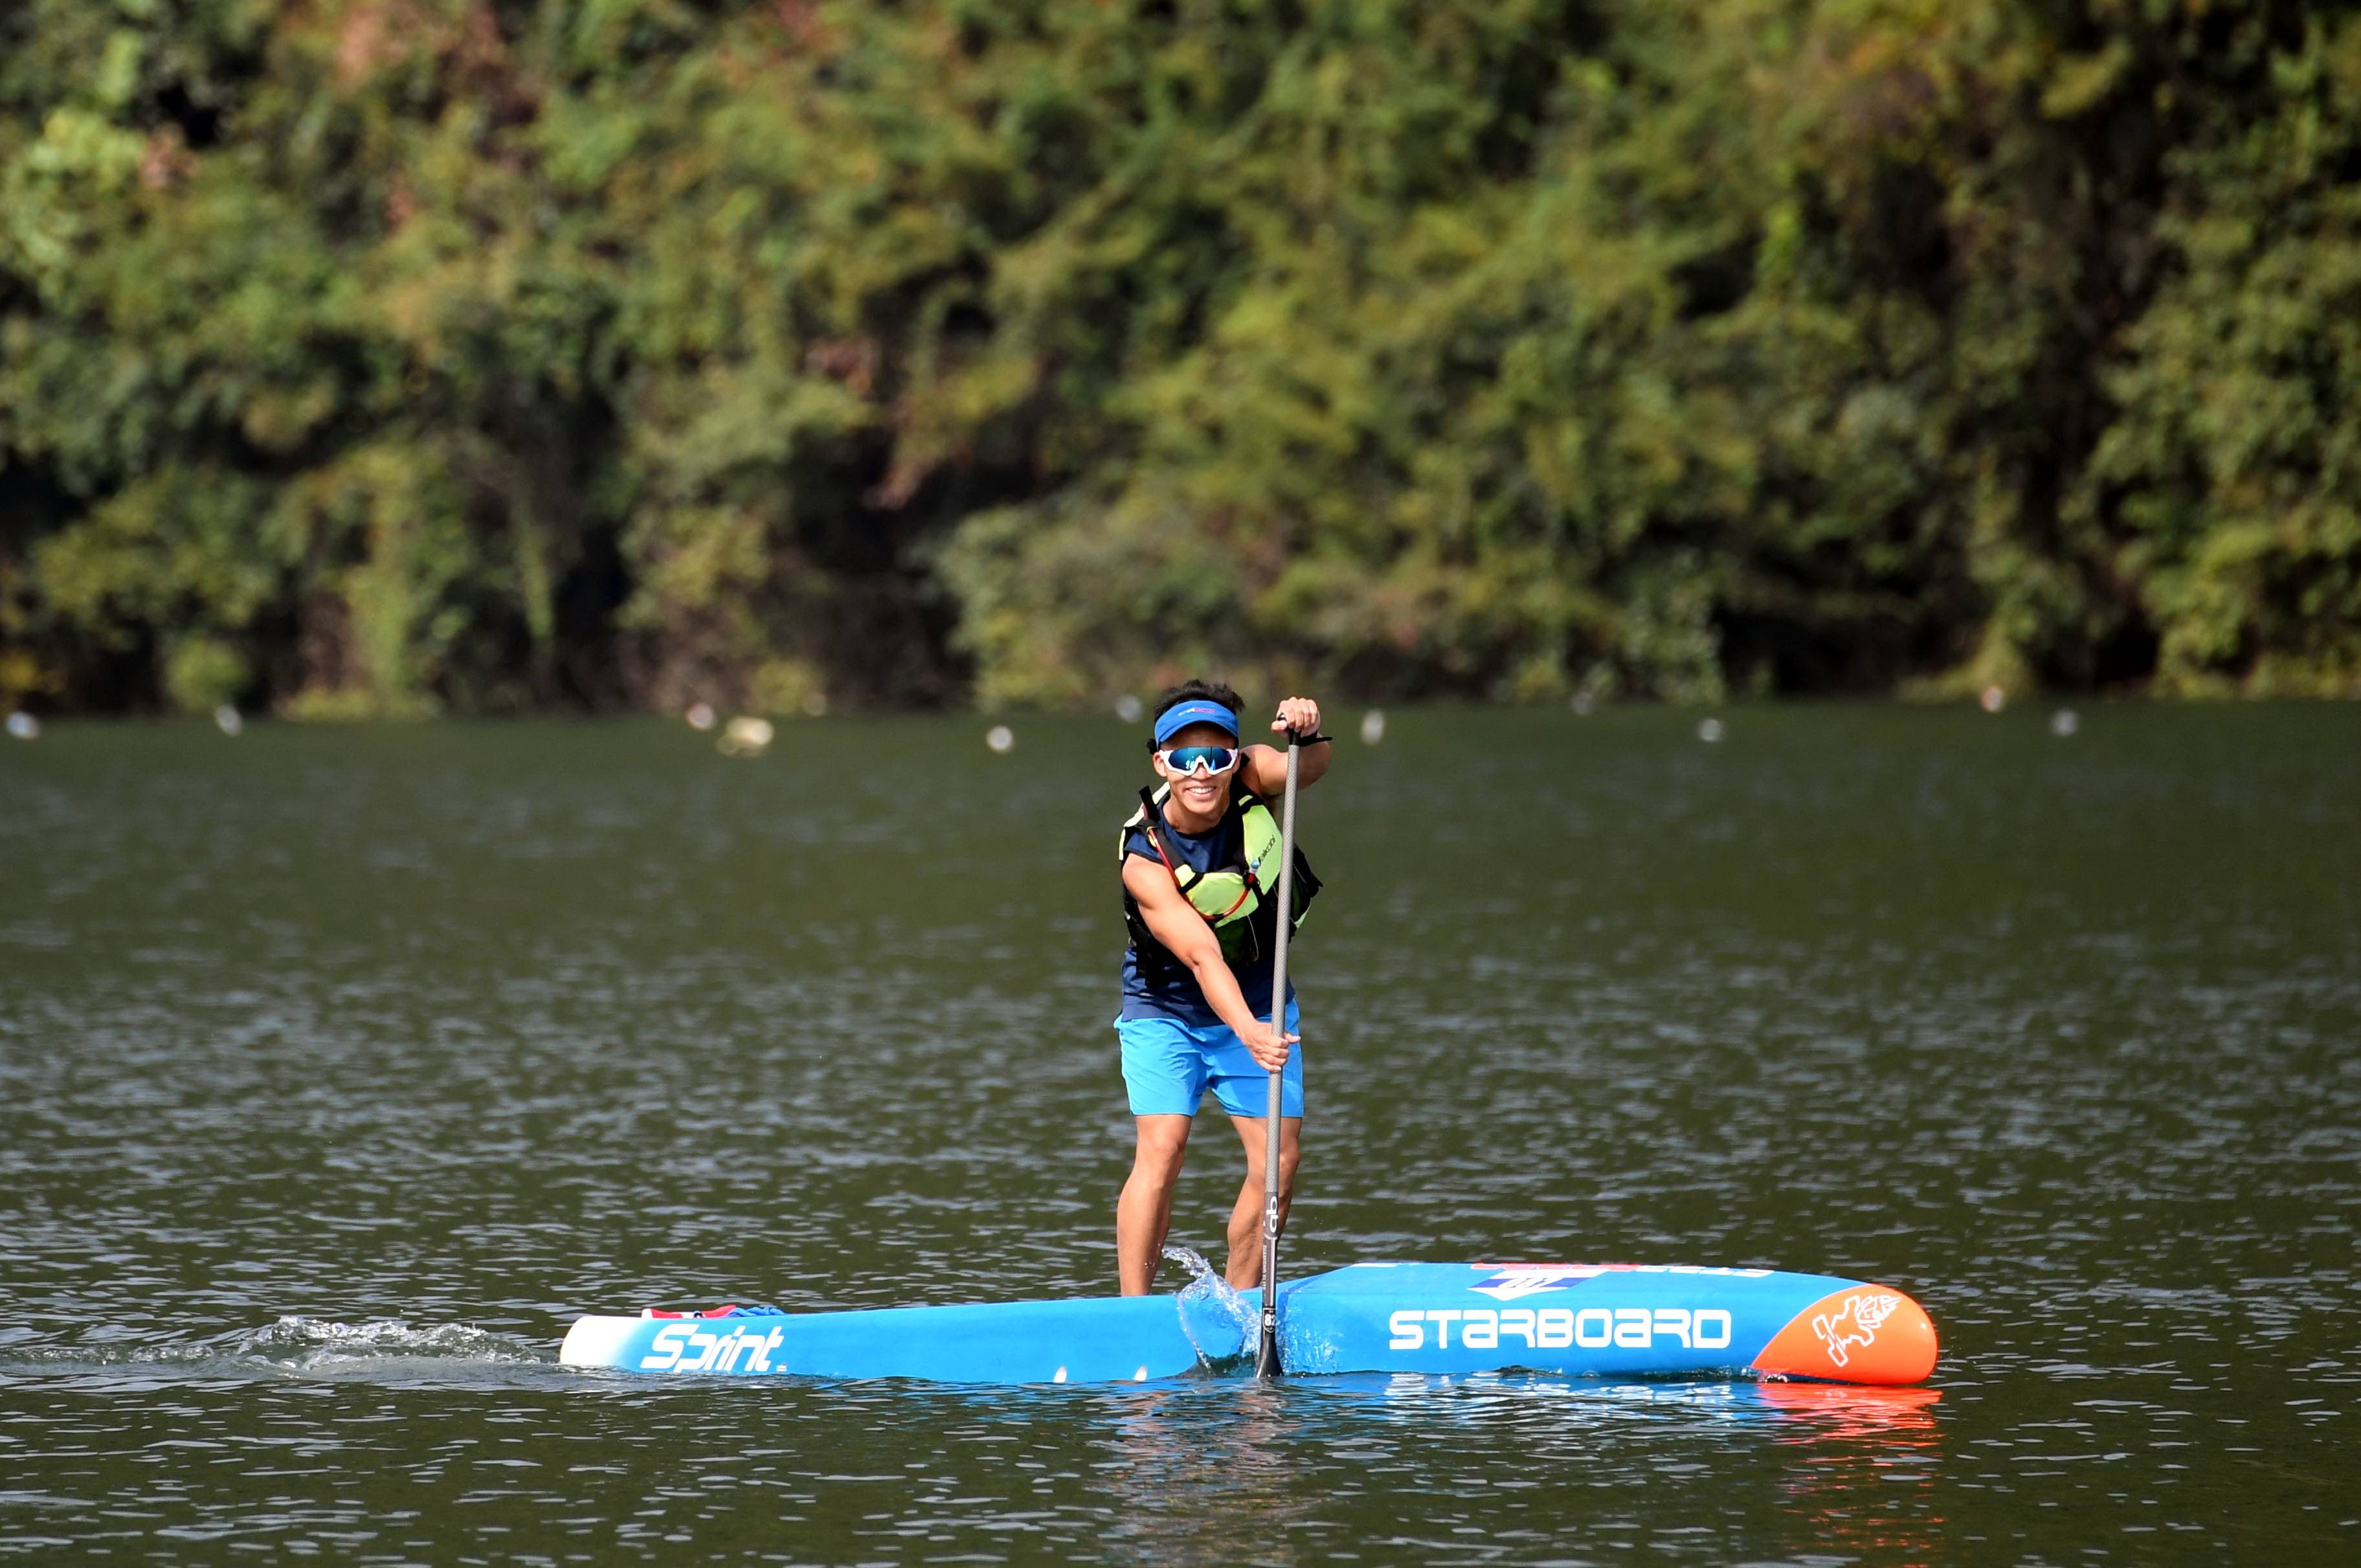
point(1267, 1350)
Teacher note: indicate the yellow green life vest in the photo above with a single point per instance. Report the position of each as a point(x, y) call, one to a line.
point(1237, 900)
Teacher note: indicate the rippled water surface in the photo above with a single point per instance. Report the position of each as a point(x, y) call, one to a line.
point(340, 1068)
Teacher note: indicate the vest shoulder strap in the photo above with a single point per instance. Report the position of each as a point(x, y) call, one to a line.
point(1141, 815)
point(1149, 820)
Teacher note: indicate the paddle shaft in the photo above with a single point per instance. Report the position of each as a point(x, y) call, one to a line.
point(1267, 1346)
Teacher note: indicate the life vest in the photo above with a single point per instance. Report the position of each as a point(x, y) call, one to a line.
point(1239, 900)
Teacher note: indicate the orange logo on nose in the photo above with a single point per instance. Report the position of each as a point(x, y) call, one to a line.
point(1864, 1333)
point(1855, 1323)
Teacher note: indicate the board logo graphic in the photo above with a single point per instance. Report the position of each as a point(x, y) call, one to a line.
point(1517, 1279)
point(1854, 1324)
point(1559, 1328)
point(687, 1347)
point(1510, 1281)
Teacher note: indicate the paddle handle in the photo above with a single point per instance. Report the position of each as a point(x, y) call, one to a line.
point(1266, 1344)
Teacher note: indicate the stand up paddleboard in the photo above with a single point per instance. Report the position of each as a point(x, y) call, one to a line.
point(1578, 1320)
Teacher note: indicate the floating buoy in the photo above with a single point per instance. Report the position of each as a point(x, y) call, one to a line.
point(1128, 708)
point(746, 735)
point(699, 715)
point(1709, 732)
point(1000, 737)
point(23, 726)
point(1582, 704)
point(2064, 722)
point(229, 720)
point(1373, 727)
point(1993, 699)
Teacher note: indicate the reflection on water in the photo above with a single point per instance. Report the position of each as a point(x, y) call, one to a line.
point(1226, 1484)
point(1252, 1472)
point(340, 1068)
point(1863, 1477)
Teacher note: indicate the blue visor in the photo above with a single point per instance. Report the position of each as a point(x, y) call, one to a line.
point(1196, 710)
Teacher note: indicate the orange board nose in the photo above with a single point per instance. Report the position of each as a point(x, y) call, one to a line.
point(1862, 1333)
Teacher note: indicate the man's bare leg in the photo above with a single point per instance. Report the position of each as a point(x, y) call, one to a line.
point(1144, 1213)
point(1245, 1267)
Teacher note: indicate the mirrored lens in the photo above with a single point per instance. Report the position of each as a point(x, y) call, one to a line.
point(1212, 759)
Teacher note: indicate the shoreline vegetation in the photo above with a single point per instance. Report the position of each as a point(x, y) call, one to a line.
point(386, 357)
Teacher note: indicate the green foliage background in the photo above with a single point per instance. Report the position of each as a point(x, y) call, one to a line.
point(388, 355)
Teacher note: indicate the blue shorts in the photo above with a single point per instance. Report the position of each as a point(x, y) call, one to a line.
point(1169, 1064)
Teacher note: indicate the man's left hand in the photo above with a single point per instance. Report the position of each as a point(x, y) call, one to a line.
point(1298, 715)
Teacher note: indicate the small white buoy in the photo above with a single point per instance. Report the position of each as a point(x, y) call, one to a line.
point(1993, 699)
point(1128, 708)
point(1000, 737)
point(2064, 722)
point(1373, 727)
point(1582, 704)
point(699, 715)
point(1060, 1377)
point(229, 720)
point(814, 704)
point(1709, 732)
point(746, 735)
point(23, 726)
point(1141, 1376)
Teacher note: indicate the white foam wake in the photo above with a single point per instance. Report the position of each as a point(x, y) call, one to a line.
point(311, 1341)
point(296, 1342)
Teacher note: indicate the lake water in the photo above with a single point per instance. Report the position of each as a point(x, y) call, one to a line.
point(341, 1067)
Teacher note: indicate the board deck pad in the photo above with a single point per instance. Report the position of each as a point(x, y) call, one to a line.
point(1592, 1320)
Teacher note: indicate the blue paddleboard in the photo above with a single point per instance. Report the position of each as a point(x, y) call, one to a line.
point(1590, 1319)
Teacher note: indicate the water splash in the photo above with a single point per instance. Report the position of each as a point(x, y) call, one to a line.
point(1190, 1258)
point(1217, 1319)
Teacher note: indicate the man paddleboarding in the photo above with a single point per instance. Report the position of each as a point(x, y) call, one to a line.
point(1201, 861)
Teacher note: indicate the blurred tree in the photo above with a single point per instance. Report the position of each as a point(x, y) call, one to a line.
point(377, 356)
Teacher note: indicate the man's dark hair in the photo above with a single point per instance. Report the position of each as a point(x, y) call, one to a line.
point(1191, 691)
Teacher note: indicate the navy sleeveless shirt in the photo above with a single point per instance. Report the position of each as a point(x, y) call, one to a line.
point(1178, 996)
